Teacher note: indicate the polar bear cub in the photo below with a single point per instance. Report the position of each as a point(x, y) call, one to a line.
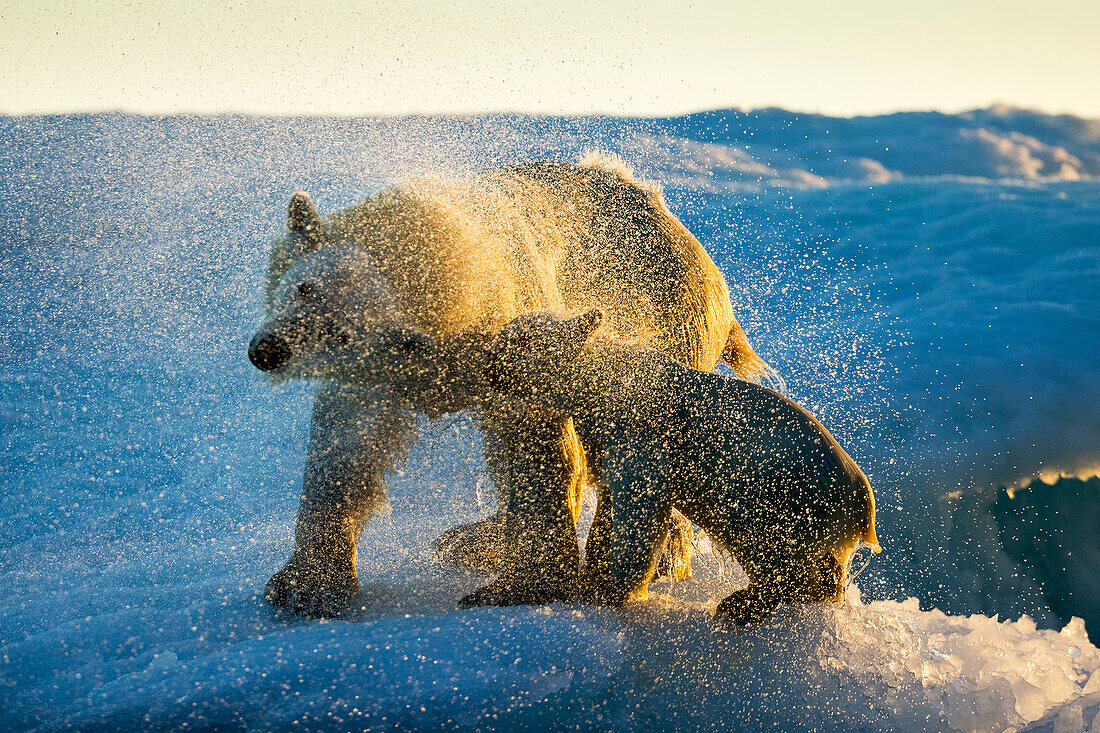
point(758, 473)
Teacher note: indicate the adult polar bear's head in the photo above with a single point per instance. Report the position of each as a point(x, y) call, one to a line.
point(331, 313)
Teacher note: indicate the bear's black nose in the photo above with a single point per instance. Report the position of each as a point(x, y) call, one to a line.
point(269, 353)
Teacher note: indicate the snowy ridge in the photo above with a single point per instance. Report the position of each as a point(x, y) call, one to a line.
point(777, 147)
point(925, 283)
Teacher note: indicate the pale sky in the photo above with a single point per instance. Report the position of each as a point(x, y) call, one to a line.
point(646, 58)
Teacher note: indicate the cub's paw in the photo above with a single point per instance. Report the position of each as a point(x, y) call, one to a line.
point(506, 592)
point(311, 590)
point(745, 607)
point(477, 545)
point(596, 590)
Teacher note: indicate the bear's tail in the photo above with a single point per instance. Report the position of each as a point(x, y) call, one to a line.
point(869, 538)
point(745, 363)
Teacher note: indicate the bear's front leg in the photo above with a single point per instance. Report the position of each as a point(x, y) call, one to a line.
point(355, 436)
point(536, 456)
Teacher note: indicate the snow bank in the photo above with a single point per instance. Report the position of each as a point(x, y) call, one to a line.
point(201, 652)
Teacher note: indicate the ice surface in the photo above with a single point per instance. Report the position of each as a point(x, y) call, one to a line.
point(925, 283)
point(158, 643)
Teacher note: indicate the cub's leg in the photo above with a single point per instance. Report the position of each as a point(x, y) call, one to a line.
point(536, 457)
point(477, 545)
point(675, 558)
point(355, 436)
point(786, 578)
point(481, 544)
point(597, 547)
point(641, 511)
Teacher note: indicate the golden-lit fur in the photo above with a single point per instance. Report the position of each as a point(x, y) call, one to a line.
point(455, 260)
point(474, 254)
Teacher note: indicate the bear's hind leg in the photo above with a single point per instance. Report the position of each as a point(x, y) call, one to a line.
point(356, 434)
point(675, 560)
point(480, 544)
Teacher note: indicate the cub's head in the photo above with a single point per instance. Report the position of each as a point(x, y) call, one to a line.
point(330, 313)
point(533, 355)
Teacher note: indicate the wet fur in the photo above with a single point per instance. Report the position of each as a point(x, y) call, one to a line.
point(757, 472)
point(351, 299)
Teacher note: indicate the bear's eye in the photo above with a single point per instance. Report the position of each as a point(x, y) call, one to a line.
point(308, 289)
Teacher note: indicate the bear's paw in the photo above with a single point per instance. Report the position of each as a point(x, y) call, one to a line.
point(313, 590)
point(477, 546)
point(745, 607)
point(511, 592)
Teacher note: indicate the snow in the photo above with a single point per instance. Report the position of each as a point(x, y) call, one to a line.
point(173, 639)
point(925, 283)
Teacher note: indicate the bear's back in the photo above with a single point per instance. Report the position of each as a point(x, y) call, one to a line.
point(543, 235)
point(473, 254)
point(631, 257)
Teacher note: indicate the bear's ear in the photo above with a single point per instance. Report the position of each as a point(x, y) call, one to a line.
point(303, 221)
point(584, 325)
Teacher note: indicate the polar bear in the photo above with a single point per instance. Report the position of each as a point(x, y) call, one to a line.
point(454, 261)
point(759, 474)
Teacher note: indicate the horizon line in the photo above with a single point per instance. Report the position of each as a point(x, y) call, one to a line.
point(122, 112)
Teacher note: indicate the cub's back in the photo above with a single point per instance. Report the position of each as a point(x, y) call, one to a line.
point(757, 444)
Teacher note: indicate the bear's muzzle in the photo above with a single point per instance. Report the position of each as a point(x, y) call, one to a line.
point(269, 352)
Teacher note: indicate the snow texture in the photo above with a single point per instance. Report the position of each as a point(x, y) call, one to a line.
point(925, 283)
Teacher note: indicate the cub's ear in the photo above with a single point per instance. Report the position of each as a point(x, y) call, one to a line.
point(406, 342)
point(584, 325)
point(303, 221)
